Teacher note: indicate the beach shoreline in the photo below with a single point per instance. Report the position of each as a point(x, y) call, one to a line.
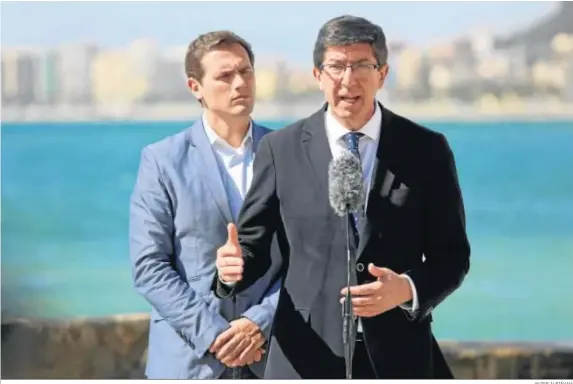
point(287, 111)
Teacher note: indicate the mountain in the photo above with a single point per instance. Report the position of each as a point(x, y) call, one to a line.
point(543, 30)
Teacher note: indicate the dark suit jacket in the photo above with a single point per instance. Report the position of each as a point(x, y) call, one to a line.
point(414, 209)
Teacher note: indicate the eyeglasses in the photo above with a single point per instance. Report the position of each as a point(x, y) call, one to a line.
point(358, 69)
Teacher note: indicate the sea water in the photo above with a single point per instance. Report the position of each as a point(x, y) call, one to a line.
point(65, 205)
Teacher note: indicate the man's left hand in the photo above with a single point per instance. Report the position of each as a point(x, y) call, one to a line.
point(386, 293)
point(239, 345)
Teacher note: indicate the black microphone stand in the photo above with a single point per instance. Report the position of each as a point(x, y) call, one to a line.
point(348, 326)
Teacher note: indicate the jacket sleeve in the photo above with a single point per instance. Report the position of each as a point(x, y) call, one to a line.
point(446, 246)
point(258, 223)
point(263, 314)
point(151, 252)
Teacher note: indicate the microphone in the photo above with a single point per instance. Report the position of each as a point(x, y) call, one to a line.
point(345, 184)
point(346, 195)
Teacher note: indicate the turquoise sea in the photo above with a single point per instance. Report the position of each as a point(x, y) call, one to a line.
point(65, 196)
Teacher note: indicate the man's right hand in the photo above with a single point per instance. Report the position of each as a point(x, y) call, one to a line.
point(239, 345)
point(230, 257)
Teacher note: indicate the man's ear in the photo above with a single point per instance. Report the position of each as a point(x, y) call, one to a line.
point(195, 88)
point(317, 74)
point(383, 74)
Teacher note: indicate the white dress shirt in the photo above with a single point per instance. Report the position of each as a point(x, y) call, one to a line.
point(367, 146)
point(235, 165)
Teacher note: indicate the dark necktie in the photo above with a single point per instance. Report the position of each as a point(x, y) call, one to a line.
point(351, 139)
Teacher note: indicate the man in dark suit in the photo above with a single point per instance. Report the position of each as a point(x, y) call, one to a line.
point(411, 245)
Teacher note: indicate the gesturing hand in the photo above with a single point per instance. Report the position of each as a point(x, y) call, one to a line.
point(387, 292)
point(230, 257)
point(239, 345)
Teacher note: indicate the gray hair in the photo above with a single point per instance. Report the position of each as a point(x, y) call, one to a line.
point(345, 30)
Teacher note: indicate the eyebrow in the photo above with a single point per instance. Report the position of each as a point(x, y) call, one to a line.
point(340, 61)
point(239, 67)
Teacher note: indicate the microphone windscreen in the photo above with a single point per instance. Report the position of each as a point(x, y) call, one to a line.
point(345, 185)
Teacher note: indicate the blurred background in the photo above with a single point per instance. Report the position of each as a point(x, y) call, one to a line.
point(86, 85)
point(94, 60)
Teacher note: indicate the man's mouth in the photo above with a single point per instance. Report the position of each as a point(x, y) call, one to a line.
point(349, 100)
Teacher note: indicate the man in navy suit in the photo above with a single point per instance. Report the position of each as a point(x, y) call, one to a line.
point(410, 239)
point(189, 187)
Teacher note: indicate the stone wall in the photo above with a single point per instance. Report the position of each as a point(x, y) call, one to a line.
point(115, 348)
point(526, 360)
point(107, 348)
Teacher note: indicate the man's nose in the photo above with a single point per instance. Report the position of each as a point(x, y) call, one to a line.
point(239, 81)
point(348, 77)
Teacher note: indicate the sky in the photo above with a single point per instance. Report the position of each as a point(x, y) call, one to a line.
point(287, 29)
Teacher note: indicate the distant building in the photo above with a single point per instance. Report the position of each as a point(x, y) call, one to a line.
point(126, 76)
point(549, 78)
point(267, 84)
point(562, 44)
point(568, 89)
point(7, 83)
point(75, 61)
point(18, 77)
point(114, 80)
point(440, 80)
point(169, 81)
point(409, 73)
point(301, 81)
point(273, 78)
point(48, 77)
point(145, 56)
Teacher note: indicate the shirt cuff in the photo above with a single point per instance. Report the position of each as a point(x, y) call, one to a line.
point(413, 305)
point(230, 285)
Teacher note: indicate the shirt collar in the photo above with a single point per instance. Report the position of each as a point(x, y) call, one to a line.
point(215, 139)
point(371, 129)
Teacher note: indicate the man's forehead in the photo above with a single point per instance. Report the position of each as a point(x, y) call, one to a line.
point(355, 52)
point(224, 67)
point(224, 60)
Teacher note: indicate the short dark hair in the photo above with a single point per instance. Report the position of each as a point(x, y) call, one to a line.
point(345, 30)
point(207, 42)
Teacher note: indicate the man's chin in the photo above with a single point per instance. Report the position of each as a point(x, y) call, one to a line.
point(347, 113)
point(241, 110)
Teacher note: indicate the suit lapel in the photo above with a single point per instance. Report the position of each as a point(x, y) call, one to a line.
point(209, 170)
point(258, 133)
point(316, 147)
point(381, 163)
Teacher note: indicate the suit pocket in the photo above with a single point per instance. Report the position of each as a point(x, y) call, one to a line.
point(399, 196)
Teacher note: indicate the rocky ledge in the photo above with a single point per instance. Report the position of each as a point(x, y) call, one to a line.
point(116, 348)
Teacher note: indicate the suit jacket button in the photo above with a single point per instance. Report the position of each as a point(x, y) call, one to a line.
point(360, 267)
